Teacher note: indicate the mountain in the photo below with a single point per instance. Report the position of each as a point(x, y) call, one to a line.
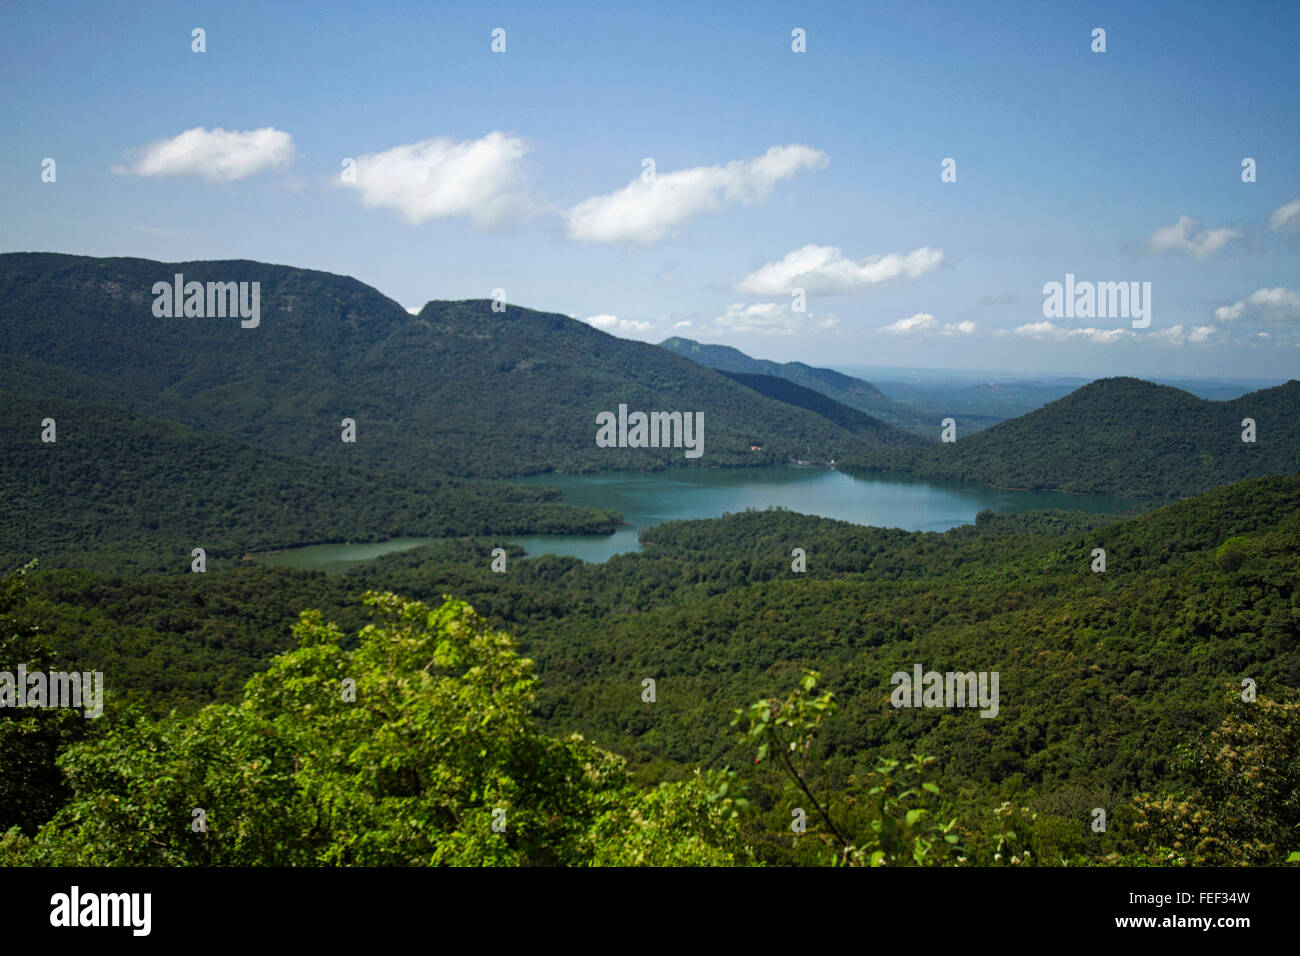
point(845, 389)
point(850, 419)
point(459, 389)
point(116, 488)
point(1120, 436)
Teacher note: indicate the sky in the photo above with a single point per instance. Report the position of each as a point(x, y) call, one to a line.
point(798, 205)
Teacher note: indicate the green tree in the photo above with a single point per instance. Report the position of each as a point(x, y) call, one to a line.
point(31, 786)
point(901, 804)
point(1247, 806)
point(430, 757)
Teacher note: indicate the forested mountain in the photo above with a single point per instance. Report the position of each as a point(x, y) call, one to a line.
point(850, 419)
point(845, 389)
point(1107, 679)
point(460, 390)
point(457, 390)
point(1119, 436)
point(171, 434)
point(114, 489)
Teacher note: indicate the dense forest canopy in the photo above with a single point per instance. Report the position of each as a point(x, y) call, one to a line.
point(678, 705)
point(1110, 682)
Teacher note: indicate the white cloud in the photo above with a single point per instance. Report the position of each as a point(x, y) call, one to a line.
point(823, 270)
point(1036, 329)
point(218, 155)
point(684, 323)
point(1286, 216)
point(1173, 335)
point(1184, 236)
point(414, 310)
point(644, 212)
point(771, 318)
point(1270, 305)
point(1102, 336)
point(441, 177)
point(924, 322)
point(921, 322)
point(612, 323)
point(1050, 330)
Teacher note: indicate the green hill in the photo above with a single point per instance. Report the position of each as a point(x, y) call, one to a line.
point(1106, 679)
point(845, 389)
point(1119, 436)
point(457, 390)
point(850, 419)
point(116, 488)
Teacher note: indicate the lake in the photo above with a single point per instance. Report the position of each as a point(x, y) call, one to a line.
point(648, 498)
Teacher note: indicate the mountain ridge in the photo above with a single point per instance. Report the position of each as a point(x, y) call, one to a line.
point(457, 389)
point(1164, 442)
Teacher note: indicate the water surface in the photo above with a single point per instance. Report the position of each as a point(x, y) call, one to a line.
point(648, 498)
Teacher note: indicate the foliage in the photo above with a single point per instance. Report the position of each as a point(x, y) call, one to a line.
point(1246, 806)
point(786, 732)
point(31, 788)
point(435, 761)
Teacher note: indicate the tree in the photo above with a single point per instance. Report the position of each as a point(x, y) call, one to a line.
point(31, 786)
point(416, 748)
point(1247, 806)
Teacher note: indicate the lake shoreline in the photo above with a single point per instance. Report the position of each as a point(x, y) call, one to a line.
point(687, 493)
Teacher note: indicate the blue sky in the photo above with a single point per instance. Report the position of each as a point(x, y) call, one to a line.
point(774, 170)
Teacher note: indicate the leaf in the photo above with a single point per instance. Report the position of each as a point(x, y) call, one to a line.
point(932, 787)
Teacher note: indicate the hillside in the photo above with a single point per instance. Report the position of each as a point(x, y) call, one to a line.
point(845, 389)
point(1105, 678)
point(1102, 674)
point(850, 419)
point(457, 390)
point(1119, 436)
point(116, 488)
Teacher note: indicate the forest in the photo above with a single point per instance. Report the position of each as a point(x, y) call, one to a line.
point(1121, 692)
point(722, 697)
